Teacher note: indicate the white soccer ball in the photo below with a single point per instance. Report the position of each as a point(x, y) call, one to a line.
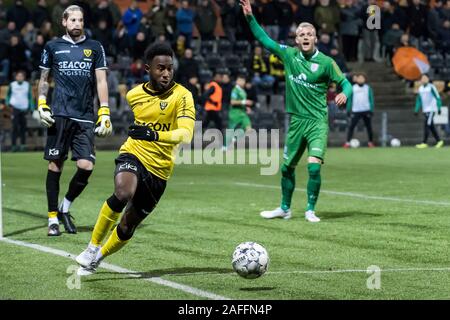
point(250, 260)
point(395, 143)
point(354, 143)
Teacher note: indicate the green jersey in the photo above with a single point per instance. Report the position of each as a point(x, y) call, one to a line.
point(307, 78)
point(239, 94)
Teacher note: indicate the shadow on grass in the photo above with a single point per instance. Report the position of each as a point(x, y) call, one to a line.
point(186, 271)
point(258, 289)
point(328, 215)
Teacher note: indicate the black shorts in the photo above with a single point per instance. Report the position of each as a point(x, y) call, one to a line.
point(68, 134)
point(150, 187)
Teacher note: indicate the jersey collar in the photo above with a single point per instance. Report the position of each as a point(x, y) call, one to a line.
point(312, 57)
point(69, 39)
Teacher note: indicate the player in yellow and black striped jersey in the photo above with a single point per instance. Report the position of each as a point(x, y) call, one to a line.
point(164, 115)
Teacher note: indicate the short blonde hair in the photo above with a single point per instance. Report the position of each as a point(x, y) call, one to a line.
point(70, 9)
point(306, 25)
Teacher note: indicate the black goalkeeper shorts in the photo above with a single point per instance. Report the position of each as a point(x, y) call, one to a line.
point(150, 187)
point(67, 134)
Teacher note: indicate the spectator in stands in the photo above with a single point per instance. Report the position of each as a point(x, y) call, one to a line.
point(260, 69)
point(429, 101)
point(349, 28)
point(185, 21)
point(179, 47)
point(137, 74)
point(57, 13)
point(188, 67)
point(19, 98)
point(122, 41)
point(417, 16)
point(434, 19)
point(140, 43)
point(147, 28)
point(444, 38)
point(276, 70)
point(113, 89)
point(103, 12)
point(171, 10)
point(19, 14)
point(29, 34)
point(132, 20)
point(36, 51)
point(286, 19)
point(270, 17)
point(331, 104)
point(194, 87)
point(2, 12)
point(391, 39)
point(16, 55)
point(87, 15)
point(326, 17)
point(40, 13)
point(46, 30)
point(230, 18)
point(444, 12)
point(205, 20)
point(104, 35)
point(305, 11)
point(6, 33)
point(339, 59)
point(159, 20)
point(325, 45)
point(212, 98)
point(360, 106)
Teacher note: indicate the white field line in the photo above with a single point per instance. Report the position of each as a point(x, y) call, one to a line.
point(111, 267)
point(351, 194)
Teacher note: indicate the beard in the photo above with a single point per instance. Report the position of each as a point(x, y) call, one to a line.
point(75, 32)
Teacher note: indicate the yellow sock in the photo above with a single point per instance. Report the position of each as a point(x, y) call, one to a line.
point(113, 244)
point(52, 214)
point(105, 221)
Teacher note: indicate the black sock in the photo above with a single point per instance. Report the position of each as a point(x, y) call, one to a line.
point(78, 183)
point(52, 186)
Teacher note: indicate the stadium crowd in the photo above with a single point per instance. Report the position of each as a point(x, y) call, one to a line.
point(211, 37)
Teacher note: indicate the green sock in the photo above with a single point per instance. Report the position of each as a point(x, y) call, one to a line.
point(287, 186)
point(313, 187)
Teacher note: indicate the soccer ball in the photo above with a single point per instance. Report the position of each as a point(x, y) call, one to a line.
point(395, 143)
point(250, 260)
point(354, 143)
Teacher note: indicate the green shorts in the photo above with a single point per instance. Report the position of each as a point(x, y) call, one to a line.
point(238, 118)
point(304, 133)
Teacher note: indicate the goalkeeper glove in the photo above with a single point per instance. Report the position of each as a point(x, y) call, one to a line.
point(45, 113)
point(142, 133)
point(103, 126)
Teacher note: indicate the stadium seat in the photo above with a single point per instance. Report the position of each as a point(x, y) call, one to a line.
point(214, 61)
point(224, 47)
point(205, 75)
point(447, 61)
point(233, 62)
point(436, 60)
point(124, 62)
point(207, 47)
point(243, 71)
point(427, 47)
point(241, 47)
point(444, 74)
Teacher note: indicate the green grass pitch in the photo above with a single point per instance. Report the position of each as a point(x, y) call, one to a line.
point(384, 207)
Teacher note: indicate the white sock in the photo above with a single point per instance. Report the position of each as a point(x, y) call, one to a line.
point(65, 205)
point(52, 221)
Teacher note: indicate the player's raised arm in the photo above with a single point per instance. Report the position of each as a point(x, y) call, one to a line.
point(104, 127)
point(259, 32)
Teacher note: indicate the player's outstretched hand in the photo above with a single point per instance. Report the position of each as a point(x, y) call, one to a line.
point(340, 99)
point(142, 133)
point(45, 114)
point(103, 127)
point(246, 7)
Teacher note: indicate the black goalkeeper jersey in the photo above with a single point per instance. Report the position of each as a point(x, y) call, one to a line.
point(73, 68)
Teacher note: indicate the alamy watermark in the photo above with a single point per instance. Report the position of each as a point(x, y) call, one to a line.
point(73, 281)
point(374, 20)
point(251, 147)
point(374, 280)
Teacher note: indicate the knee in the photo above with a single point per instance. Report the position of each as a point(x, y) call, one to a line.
point(123, 193)
point(85, 165)
point(287, 171)
point(125, 231)
point(314, 169)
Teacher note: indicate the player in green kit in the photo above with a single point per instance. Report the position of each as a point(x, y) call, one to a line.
point(240, 106)
point(308, 74)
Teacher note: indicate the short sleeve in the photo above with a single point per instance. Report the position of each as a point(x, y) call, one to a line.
point(46, 58)
point(100, 57)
